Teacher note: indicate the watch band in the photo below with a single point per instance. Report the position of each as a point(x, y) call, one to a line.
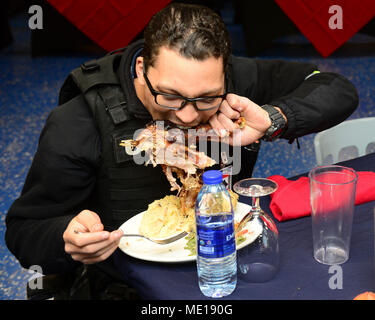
point(277, 123)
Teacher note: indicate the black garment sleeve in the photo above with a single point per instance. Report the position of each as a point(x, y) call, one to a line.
point(56, 189)
point(320, 102)
point(310, 105)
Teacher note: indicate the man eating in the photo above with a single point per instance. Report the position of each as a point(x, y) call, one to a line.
point(82, 185)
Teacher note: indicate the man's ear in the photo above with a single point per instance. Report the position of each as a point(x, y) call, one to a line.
point(139, 70)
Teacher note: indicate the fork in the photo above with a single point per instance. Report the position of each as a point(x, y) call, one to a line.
point(159, 241)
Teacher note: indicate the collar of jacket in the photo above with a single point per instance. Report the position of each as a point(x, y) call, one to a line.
point(125, 76)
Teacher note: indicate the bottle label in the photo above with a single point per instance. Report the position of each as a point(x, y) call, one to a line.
point(217, 241)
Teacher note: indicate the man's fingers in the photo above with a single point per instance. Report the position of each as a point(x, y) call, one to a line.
point(242, 104)
point(223, 122)
point(227, 123)
point(215, 124)
point(86, 241)
point(91, 243)
point(91, 260)
point(228, 111)
point(236, 102)
point(90, 220)
point(85, 238)
point(90, 251)
point(104, 254)
point(95, 254)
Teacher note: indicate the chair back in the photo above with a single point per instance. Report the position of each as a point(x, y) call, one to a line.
point(349, 139)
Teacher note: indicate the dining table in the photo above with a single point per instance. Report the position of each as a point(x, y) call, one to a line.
point(300, 276)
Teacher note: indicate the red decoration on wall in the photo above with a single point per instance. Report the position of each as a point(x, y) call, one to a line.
point(111, 24)
point(328, 24)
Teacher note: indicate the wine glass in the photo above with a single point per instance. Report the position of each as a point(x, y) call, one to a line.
point(258, 261)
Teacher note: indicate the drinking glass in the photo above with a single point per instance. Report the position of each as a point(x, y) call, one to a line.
point(258, 261)
point(332, 195)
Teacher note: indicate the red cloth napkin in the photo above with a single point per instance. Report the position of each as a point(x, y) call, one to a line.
point(292, 198)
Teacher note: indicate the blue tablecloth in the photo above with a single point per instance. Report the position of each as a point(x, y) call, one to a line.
point(299, 277)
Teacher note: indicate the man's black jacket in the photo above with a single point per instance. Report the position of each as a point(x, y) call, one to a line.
point(63, 172)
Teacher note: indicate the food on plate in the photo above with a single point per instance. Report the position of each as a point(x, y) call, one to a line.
point(165, 217)
point(174, 149)
point(165, 145)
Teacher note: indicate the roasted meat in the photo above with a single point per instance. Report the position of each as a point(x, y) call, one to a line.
point(175, 150)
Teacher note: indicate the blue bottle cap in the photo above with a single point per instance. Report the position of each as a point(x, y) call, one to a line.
point(212, 177)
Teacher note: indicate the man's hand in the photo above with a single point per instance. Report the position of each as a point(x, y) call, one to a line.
point(257, 120)
point(86, 241)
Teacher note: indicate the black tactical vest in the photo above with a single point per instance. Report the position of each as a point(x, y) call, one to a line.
point(123, 188)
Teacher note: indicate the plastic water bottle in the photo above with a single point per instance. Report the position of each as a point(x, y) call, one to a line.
point(216, 243)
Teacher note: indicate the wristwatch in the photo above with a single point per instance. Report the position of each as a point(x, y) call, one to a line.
point(277, 123)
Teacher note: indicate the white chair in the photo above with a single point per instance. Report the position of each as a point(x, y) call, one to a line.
point(349, 139)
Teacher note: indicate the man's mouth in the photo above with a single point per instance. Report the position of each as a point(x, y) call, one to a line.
point(185, 126)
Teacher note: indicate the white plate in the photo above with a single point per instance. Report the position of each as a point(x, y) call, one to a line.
point(174, 252)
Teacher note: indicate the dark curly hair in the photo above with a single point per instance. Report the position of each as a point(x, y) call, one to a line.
point(192, 30)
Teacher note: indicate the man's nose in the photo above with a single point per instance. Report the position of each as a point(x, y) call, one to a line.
point(188, 113)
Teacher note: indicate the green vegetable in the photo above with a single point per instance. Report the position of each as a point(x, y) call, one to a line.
point(239, 240)
point(191, 244)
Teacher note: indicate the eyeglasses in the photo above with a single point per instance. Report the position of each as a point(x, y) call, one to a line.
point(176, 102)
